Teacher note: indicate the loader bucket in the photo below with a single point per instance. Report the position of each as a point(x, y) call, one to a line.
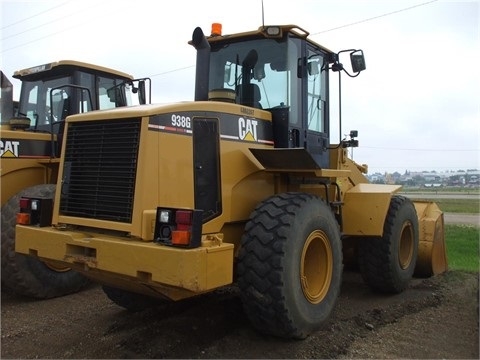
point(432, 255)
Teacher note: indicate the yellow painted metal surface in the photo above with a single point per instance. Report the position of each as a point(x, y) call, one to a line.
point(365, 208)
point(194, 270)
point(339, 160)
point(130, 260)
point(159, 168)
point(165, 162)
point(432, 255)
point(148, 225)
point(18, 173)
point(26, 73)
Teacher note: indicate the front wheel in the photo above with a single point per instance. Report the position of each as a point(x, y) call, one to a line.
point(290, 265)
point(387, 263)
point(27, 275)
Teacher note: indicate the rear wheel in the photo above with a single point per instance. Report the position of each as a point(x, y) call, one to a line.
point(27, 275)
point(387, 263)
point(290, 265)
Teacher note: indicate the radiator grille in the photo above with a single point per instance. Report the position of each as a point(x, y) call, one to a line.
point(99, 169)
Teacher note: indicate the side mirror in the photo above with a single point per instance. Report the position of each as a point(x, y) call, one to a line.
point(250, 59)
point(142, 96)
point(259, 72)
point(116, 95)
point(227, 74)
point(313, 67)
point(358, 61)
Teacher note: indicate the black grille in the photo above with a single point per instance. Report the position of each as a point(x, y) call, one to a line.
point(99, 171)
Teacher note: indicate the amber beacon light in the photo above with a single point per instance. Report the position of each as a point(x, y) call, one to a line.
point(216, 29)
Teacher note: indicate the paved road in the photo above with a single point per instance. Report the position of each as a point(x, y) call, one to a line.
point(441, 196)
point(451, 218)
point(460, 218)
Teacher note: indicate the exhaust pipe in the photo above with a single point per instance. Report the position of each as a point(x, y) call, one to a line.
point(6, 103)
point(199, 41)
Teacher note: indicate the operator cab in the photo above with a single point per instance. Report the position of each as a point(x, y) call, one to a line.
point(278, 69)
point(53, 91)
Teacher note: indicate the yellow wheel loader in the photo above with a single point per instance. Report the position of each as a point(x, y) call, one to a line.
point(30, 137)
point(239, 187)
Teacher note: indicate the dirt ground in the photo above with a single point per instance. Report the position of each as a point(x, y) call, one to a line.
point(434, 318)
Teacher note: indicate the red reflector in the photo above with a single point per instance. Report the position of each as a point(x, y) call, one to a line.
point(180, 237)
point(183, 217)
point(23, 218)
point(184, 227)
point(24, 203)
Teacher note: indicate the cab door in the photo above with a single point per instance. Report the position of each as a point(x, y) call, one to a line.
point(315, 105)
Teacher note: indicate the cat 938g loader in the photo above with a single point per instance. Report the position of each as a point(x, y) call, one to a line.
point(30, 137)
point(239, 187)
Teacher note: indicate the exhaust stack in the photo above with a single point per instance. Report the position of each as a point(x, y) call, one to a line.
point(6, 105)
point(199, 41)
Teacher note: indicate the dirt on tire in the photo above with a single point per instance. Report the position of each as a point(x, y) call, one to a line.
point(433, 318)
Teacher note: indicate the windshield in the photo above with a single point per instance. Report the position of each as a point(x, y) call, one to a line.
point(49, 101)
point(264, 65)
point(272, 73)
point(36, 104)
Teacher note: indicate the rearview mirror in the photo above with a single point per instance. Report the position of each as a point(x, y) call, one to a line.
point(142, 96)
point(227, 74)
point(358, 61)
point(117, 96)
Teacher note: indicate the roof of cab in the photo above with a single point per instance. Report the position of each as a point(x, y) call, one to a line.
point(263, 31)
point(59, 67)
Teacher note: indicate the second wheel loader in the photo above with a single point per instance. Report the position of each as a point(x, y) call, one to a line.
point(31, 131)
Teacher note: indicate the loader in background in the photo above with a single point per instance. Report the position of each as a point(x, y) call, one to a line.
point(31, 130)
point(239, 187)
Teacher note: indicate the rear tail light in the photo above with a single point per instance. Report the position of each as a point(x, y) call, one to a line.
point(184, 217)
point(181, 237)
point(177, 227)
point(24, 203)
point(23, 218)
point(35, 211)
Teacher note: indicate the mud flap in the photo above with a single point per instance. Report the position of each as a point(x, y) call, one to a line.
point(432, 255)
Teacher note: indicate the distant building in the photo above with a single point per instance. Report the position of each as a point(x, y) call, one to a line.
point(433, 179)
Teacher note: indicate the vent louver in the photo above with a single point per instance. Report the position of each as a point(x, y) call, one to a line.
point(100, 168)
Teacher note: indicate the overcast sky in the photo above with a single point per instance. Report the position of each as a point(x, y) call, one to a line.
point(416, 107)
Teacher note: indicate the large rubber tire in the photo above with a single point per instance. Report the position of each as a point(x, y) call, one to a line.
point(289, 269)
point(130, 301)
point(27, 275)
point(387, 263)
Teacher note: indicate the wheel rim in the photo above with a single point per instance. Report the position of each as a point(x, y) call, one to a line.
point(57, 268)
point(405, 249)
point(316, 267)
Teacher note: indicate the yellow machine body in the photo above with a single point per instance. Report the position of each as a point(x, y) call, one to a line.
point(125, 255)
point(125, 171)
point(18, 173)
point(432, 252)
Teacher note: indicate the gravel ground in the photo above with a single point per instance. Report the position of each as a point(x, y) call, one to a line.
point(434, 318)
